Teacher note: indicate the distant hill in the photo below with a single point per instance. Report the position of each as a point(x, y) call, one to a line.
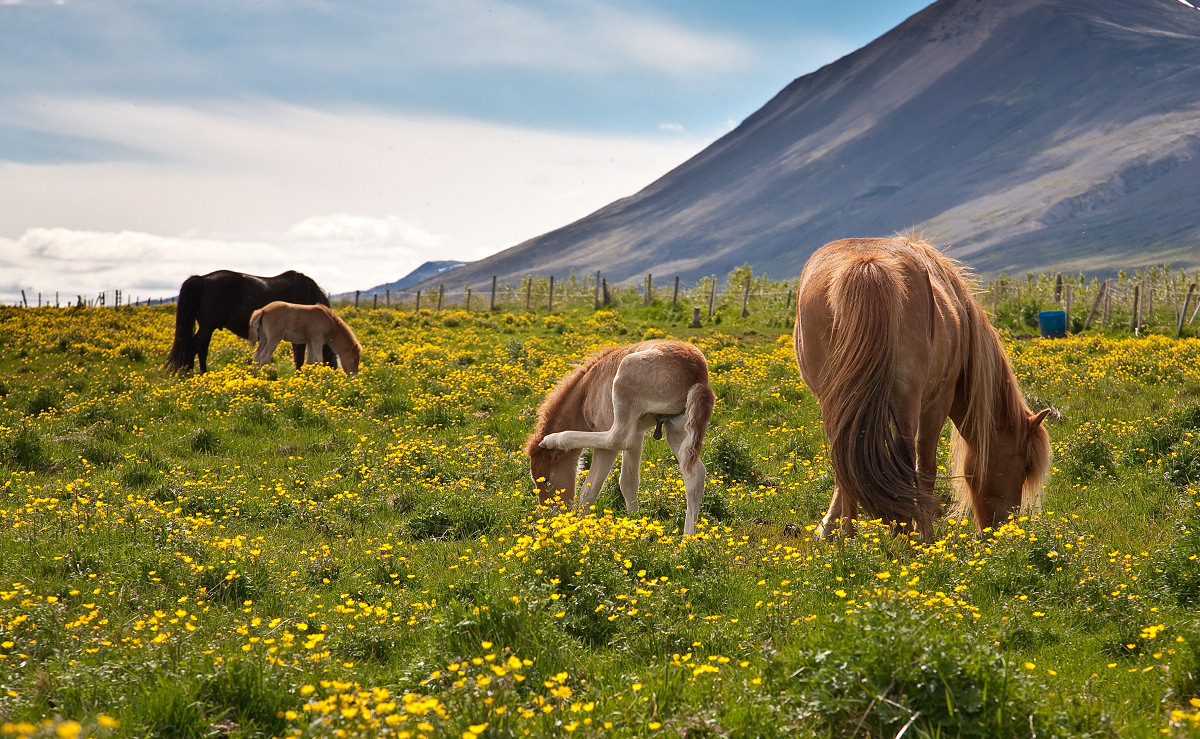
point(426, 271)
point(1019, 135)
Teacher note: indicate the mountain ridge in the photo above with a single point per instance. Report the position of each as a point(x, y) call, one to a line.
point(1032, 135)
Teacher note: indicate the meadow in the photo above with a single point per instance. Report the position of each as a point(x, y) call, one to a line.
point(281, 553)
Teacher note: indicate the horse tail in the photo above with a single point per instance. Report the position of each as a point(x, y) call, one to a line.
point(699, 410)
point(255, 329)
point(187, 310)
point(874, 461)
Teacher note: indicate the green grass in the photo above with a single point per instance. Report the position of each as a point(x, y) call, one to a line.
point(268, 553)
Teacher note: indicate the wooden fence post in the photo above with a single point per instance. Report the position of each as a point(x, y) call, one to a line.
point(374, 301)
point(387, 296)
point(1135, 320)
point(1095, 304)
point(1183, 312)
point(712, 298)
point(550, 301)
point(492, 303)
point(1070, 291)
point(418, 308)
point(746, 298)
point(695, 317)
point(675, 295)
point(441, 292)
point(468, 300)
point(649, 288)
point(356, 298)
point(596, 300)
point(1058, 288)
point(528, 292)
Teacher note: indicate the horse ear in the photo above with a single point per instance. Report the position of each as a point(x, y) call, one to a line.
point(1036, 419)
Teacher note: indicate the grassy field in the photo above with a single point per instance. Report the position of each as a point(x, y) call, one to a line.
point(280, 553)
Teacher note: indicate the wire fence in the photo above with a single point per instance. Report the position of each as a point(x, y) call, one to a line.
point(1157, 300)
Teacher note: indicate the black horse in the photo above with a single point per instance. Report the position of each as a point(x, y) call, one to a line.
point(225, 299)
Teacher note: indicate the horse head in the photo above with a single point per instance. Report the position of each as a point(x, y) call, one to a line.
point(1017, 465)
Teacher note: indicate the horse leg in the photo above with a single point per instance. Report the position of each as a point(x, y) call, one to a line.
point(631, 473)
point(298, 355)
point(929, 432)
point(203, 337)
point(602, 464)
point(693, 481)
point(834, 512)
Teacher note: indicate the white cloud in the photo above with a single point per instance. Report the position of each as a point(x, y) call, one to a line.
point(352, 198)
point(580, 36)
point(672, 127)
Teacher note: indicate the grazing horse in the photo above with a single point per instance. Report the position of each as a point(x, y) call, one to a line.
point(313, 325)
point(225, 299)
point(608, 404)
point(890, 338)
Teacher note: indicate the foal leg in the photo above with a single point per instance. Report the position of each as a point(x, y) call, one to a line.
point(631, 473)
point(622, 435)
point(266, 347)
point(314, 352)
point(693, 480)
point(602, 464)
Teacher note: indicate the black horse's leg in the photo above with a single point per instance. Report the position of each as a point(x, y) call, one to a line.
point(298, 355)
point(203, 337)
point(329, 356)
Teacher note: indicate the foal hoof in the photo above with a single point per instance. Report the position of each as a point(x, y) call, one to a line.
point(550, 442)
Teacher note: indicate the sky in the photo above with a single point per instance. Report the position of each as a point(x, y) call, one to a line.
point(142, 141)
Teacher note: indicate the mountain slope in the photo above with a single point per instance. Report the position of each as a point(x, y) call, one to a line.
point(1021, 136)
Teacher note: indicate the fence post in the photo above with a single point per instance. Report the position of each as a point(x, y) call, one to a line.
point(712, 298)
point(468, 300)
point(1058, 289)
point(1095, 304)
point(1067, 308)
point(374, 301)
point(675, 295)
point(746, 298)
point(1182, 313)
point(649, 287)
point(596, 301)
point(441, 292)
point(356, 298)
point(1135, 320)
point(23, 300)
point(387, 296)
point(550, 300)
point(492, 302)
point(528, 292)
point(695, 317)
point(418, 308)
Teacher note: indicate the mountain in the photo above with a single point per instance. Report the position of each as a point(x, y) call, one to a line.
point(1018, 135)
point(427, 271)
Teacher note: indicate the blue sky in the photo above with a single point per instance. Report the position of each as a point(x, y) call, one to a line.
point(145, 140)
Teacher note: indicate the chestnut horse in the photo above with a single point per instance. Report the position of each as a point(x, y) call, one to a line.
point(225, 299)
point(608, 404)
point(890, 338)
point(314, 326)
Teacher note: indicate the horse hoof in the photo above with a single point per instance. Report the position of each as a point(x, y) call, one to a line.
point(549, 442)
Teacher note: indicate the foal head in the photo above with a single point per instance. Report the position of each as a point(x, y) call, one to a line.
point(553, 472)
point(1018, 461)
point(349, 358)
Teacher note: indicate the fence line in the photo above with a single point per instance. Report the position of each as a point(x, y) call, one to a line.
point(1157, 299)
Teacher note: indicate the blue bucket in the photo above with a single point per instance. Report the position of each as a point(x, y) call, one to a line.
point(1053, 324)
